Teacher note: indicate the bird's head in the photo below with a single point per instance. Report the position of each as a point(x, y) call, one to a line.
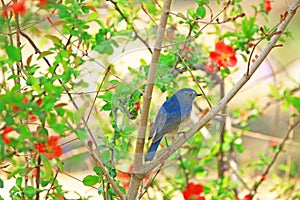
point(186, 96)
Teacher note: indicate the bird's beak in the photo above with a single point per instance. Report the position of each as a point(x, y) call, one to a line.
point(198, 95)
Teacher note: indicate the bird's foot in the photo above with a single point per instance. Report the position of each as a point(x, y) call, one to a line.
point(182, 133)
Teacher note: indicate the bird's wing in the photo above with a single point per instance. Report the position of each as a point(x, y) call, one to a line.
point(159, 122)
point(169, 121)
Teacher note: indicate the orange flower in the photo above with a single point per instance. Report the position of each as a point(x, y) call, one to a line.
point(273, 143)
point(224, 55)
point(193, 192)
point(25, 100)
point(263, 177)
point(267, 6)
point(18, 7)
point(50, 149)
point(124, 177)
point(6, 130)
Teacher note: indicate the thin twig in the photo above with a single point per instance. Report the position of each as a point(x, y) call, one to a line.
point(197, 34)
point(77, 179)
point(52, 184)
point(184, 45)
point(107, 175)
point(98, 91)
point(132, 25)
point(281, 146)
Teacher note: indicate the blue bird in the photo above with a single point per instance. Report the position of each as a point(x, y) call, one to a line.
point(172, 113)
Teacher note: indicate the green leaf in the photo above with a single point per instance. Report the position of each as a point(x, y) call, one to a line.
point(90, 180)
point(13, 173)
point(44, 54)
point(59, 164)
point(92, 17)
point(224, 72)
point(29, 191)
point(191, 12)
point(14, 76)
point(201, 11)
point(239, 147)
point(98, 171)
point(81, 134)
point(19, 182)
point(79, 114)
point(1, 183)
point(24, 133)
point(59, 128)
point(48, 168)
point(13, 53)
point(105, 156)
point(105, 47)
point(129, 129)
point(295, 101)
point(226, 146)
point(54, 39)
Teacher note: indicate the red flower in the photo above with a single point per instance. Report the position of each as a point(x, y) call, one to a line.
point(42, 2)
point(18, 7)
point(223, 55)
point(247, 197)
point(50, 149)
point(25, 100)
point(16, 108)
point(267, 6)
point(210, 67)
point(137, 106)
point(6, 130)
point(39, 101)
point(193, 192)
point(4, 13)
point(32, 117)
point(263, 177)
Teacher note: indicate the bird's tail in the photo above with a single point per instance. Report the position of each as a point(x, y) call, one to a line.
point(152, 150)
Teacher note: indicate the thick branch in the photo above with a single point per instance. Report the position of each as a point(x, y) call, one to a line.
point(137, 176)
point(215, 110)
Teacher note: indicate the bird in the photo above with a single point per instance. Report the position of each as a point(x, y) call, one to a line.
point(171, 115)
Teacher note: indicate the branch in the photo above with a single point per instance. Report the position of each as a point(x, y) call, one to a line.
point(106, 174)
point(137, 175)
point(132, 26)
point(161, 157)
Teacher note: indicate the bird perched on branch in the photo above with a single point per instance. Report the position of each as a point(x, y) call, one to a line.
point(170, 116)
